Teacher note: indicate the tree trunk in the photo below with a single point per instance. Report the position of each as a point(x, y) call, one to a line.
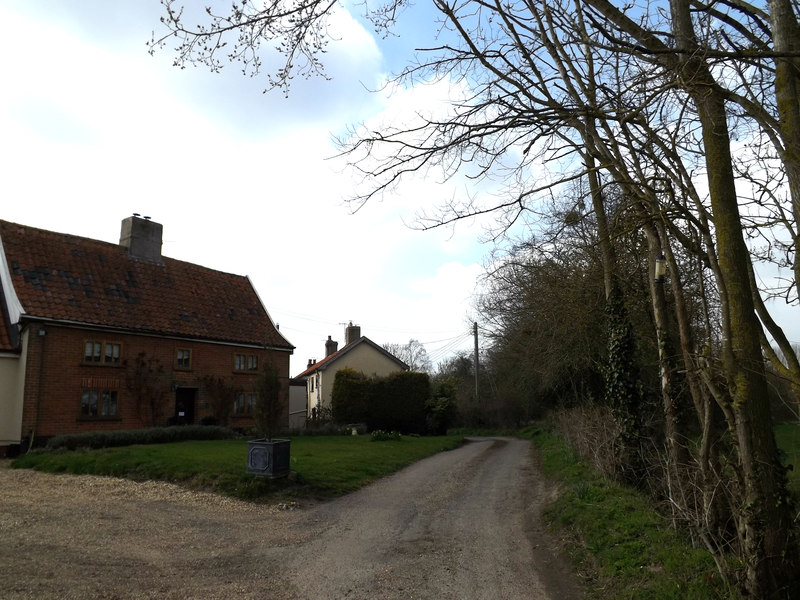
point(767, 521)
point(678, 453)
point(621, 375)
point(608, 257)
point(786, 40)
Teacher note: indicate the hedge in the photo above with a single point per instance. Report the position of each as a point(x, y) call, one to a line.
point(396, 402)
point(155, 435)
point(350, 396)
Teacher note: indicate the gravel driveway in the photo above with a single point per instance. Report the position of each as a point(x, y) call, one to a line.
point(461, 524)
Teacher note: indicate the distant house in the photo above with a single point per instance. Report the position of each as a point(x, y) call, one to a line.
point(359, 353)
point(100, 336)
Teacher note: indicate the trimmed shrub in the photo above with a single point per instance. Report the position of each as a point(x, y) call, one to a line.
point(350, 396)
point(397, 402)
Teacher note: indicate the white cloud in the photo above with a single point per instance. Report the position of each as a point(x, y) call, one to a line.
point(95, 129)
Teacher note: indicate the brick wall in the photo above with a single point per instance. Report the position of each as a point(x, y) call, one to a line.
point(57, 374)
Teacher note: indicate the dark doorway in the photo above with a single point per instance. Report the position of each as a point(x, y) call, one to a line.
point(184, 405)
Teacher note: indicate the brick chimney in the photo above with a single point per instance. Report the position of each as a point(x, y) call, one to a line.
point(331, 346)
point(142, 238)
point(351, 333)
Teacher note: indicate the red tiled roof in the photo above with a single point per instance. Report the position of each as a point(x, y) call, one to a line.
point(323, 362)
point(68, 278)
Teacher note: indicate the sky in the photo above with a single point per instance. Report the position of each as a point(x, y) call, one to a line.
point(95, 129)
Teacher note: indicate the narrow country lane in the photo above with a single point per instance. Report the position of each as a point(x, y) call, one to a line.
point(462, 524)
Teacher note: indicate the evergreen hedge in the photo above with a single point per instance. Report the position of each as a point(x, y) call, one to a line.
point(350, 396)
point(393, 403)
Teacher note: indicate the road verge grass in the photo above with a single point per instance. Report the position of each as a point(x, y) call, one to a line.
point(619, 544)
point(788, 437)
point(323, 466)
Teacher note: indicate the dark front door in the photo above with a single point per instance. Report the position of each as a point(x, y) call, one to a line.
point(184, 405)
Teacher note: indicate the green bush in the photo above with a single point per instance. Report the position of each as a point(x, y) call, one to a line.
point(350, 396)
point(440, 413)
point(155, 435)
point(398, 402)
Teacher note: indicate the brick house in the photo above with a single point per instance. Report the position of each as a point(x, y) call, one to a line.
point(359, 353)
point(99, 336)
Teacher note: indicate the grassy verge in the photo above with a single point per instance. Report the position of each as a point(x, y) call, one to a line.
point(619, 544)
point(325, 466)
point(788, 437)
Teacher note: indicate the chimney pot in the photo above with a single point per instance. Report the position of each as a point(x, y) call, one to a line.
point(352, 333)
point(331, 346)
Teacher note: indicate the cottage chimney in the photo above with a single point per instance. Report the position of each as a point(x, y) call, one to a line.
point(352, 333)
point(330, 347)
point(142, 238)
point(309, 364)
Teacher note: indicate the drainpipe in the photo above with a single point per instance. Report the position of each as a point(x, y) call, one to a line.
point(42, 334)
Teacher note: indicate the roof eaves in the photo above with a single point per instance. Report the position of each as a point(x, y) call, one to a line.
point(12, 307)
point(319, 364)
point(152, 333)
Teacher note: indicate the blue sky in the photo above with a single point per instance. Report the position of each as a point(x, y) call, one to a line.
point(95, 129)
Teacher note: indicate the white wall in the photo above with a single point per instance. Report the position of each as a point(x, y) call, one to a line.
point(297, 406)
point(12, 389)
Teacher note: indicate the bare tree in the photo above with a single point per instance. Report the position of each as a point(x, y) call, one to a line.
point(220, 398)
point(148, 383)
point(588, 90)
point(413, 354)
point(271, 409)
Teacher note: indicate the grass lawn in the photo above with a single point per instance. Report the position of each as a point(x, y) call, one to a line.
point(325, 466)
point(788, 437)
